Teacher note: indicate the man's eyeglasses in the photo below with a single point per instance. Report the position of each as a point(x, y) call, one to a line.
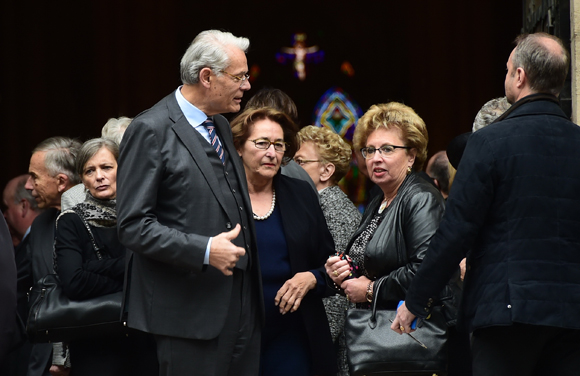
point(384, 150)
point(264, 144)
point(302, 162)
point(241, 79)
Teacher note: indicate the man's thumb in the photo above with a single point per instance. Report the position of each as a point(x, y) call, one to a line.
point(231, 235)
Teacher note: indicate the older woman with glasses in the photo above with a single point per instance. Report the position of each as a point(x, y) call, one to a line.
point(293, 245)
point(398, 225)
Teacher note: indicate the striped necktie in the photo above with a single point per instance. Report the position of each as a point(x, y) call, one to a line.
point(213, 139)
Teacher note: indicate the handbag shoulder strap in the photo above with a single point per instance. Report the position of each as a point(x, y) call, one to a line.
point(96, 248)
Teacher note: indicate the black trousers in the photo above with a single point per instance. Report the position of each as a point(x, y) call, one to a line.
point(125, 354)
point(40, 359)
point(236, 351)
point(525, 350)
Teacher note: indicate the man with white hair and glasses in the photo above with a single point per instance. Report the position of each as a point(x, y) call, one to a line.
point(184, 211)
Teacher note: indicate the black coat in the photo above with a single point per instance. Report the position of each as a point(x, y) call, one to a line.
point(398, 245)
point(309, 246)
point(82, 274)
point(39, 251)
point(8, 316)
point(515, 203)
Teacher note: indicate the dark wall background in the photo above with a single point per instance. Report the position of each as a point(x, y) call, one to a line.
point(67, 67)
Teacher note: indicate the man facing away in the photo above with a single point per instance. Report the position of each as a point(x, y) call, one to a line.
point(515, 203)
point(184, 210)
point(52, 172)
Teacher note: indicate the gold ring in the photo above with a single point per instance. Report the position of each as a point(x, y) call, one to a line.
point(347, 297)
point(335, 273)
point(402, 328)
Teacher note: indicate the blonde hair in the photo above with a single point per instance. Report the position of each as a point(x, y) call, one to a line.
point(330, 146)
point(397, 115)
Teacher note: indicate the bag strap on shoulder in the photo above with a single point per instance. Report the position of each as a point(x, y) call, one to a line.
point(96, 248)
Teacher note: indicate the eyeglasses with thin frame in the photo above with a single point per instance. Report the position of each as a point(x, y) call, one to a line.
point(241, 79)
point(302, 162)
point(384, 150)
point(264, 144)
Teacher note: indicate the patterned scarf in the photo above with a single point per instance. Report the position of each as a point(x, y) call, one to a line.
point(98, 213)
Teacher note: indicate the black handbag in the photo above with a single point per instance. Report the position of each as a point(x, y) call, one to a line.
point(54, 317)
point(374, 349)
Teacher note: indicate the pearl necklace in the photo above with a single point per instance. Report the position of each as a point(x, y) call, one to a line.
point(269, 213)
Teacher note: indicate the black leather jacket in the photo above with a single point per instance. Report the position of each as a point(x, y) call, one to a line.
point(400, 243)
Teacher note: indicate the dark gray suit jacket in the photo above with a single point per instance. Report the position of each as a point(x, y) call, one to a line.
point(169, 203)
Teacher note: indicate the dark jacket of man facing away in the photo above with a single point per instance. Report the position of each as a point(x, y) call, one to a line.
point(515, 203)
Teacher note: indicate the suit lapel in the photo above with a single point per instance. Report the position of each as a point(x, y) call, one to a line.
point(185, 133)
point(225, 134)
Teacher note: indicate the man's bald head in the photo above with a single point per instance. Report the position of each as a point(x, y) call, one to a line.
point(544, 60)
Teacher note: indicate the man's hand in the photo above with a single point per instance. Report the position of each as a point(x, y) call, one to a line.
point(463, 268)
point(223, 254)
point(59, 370)
point(402, 323)
point(291, 293)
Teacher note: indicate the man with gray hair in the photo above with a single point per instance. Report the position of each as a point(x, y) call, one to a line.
point(514, 204)
point(52, 172)
point(184, 210)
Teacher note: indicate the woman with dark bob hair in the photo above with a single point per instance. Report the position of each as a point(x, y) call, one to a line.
point(398, 225)
point(84, 274)
point(293, 245)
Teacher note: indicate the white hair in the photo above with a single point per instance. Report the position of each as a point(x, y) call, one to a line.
point(209, 49)
point(489, 112)
point(115, 128)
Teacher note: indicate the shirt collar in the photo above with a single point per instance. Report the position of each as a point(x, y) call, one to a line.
point(194, 115)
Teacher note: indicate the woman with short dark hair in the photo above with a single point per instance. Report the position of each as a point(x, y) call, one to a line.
point(86, 274)
point(293, 244)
